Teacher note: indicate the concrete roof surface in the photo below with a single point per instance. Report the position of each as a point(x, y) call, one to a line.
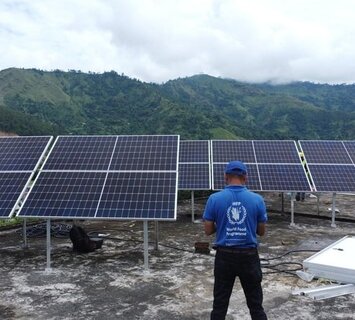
point(111, 283)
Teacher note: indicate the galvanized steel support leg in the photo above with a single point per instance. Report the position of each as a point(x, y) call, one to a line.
point(156, 224)
point(333, 211)
point(292, 224)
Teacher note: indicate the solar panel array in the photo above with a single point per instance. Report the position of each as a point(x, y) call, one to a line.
point(194, 165)
point(107, 177)
point(19, 158)
point(135, 177)
point(330, 164)
point(273, 165)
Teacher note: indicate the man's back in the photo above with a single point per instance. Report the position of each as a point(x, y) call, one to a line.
point(236, 212)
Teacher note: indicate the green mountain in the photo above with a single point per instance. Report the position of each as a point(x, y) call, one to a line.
point(198, 107)
point(266, 111)
point(333, 97)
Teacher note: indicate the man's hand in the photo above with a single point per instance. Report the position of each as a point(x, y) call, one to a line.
point(210, 227)
point(261, 229)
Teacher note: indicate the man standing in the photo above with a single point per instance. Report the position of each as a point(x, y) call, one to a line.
point(237, 215)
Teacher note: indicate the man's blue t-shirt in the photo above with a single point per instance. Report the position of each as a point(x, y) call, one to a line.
point(236, 212)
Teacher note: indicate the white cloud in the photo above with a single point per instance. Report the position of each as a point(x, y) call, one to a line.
point(257, 40)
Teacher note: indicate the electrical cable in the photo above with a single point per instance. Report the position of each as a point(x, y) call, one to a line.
point(265, 263)
point(288, 252)
point(58, 230)
point(277, 270)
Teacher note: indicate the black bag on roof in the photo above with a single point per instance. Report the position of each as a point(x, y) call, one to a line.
point(81, 241)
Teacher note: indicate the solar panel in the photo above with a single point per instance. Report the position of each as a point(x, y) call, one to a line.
point(138, 195)
point(81, 153)
point(224, 151)
point(19, 158)
point(145, 153)
point(325, 152)
point(276, 151)
point(192, 151)
point(12, 185)
point(194, 176)
point(350, 147)
point(21, 153)
point(253, 182)
point(273, 165)
point(290, 177)
point(65, 194)
point(330, 164)
point(107, 177)
point(333, 178)
point(194, 165)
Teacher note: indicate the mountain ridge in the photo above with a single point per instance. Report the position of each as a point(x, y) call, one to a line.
point(196, 107)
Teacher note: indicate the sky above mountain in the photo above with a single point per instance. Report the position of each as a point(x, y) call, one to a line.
point(154, 41)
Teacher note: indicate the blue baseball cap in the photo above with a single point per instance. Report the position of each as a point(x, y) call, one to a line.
point(237, 168)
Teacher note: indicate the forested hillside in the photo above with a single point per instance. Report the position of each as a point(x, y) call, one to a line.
point(198, 107)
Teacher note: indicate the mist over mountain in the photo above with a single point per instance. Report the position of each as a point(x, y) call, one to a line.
point(199, 107)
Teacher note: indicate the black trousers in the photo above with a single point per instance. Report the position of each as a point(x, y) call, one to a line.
point(246, 266)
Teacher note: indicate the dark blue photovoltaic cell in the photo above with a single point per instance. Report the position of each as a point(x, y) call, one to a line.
point(194, 151)
point(252, 179)
point(350, 147)
point(229, 150)
point(12, 185)
point(21, 153)
point(65, 194)
point(323, 152)
point(333, 178)
point(283, 178)
point(139, 195)
point(81, 153)
point(276, 151)
point(194, 176)
point(145, 153)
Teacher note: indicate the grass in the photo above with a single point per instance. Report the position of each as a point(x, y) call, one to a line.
point(10, 222)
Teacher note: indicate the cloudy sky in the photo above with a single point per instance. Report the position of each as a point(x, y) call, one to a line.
point(152, 40)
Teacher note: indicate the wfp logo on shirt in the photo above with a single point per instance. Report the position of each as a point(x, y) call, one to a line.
point(236, 213)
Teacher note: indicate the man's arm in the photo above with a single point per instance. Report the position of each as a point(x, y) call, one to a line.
point(261, 229)
point(210, 227)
